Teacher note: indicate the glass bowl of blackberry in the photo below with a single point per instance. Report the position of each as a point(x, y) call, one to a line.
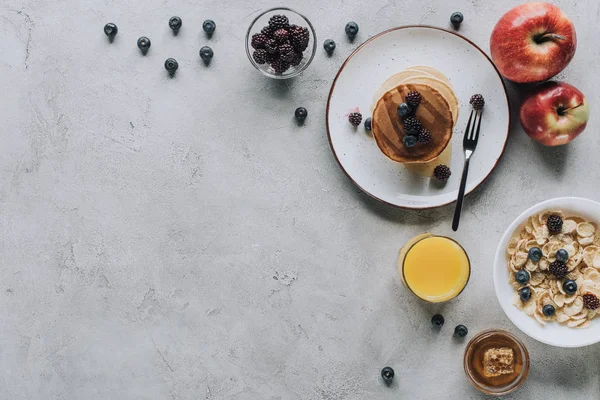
point(281, 43)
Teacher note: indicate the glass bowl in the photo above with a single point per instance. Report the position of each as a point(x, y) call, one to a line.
point(495, 338)
point(295, 18)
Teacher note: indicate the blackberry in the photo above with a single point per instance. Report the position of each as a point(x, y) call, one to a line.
point(280, 66)
point(477, 101)
point(351, 30)
point(272, 57)
point(111, 30)
point(424, 136)
point(554, 223)
point(368, 124)
point(175, 24)
point(558, 269)
point(413, 99)
point(171, 65)
point(286, 52)
point(297, 59)
point(260, 56)
point(442, 173)
point(355, 118)
point(300, 37)
point(209, 26)
point(456, 19)
point(281, 35)
point(412, 126)
point(267, 31)
point(259, 41)
point(591, 301)
point(329, 46)
point(144, 44)
point(278, 21)
point(271, 46)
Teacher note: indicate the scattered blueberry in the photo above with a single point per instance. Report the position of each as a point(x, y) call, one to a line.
point(522, 277)
point(570, 286)
point(171, 65)
point(410, 141)
point(351, 30)
point(460, 331)
point(368, 124)
point(404, 110)
point(111, 30)
point(329, 46)
point(437, 320)
point(524, 294)
point(175, 24)
point(209, 26)
point(206, 53)
point(144, 44)
point(301, 114)
point(456, 19)
point(535, 254)
point(387, 374)
point(562, 255)
point(548, 310)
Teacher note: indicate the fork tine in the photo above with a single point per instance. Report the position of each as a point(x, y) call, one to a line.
point(479, 113)
point(466, 138)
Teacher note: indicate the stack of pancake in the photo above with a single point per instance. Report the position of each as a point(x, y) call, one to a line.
point(438, 112)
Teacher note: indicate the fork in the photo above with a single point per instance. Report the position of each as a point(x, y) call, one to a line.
point(469, 145)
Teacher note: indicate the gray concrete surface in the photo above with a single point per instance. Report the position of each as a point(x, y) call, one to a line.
point(184, 239)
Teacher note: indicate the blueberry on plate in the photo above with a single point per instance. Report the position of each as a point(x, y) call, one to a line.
point(206, 53)
point(409, 141)
point(387, 374)
point(301, 114)
point(351, 30)
point(548, 310)
point(522, 277)
point(437, 320)
point(535, 254)
point(562, 255)
point(404, 110)
point(175, 24)
point(570, 286)
point(460, 331)
point(525, 294)
point(329, 46)
point(209, 26)
point(111, 30)
point(368, 123)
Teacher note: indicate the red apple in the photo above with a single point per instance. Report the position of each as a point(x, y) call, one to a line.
point(555, 113)
point(533, 42)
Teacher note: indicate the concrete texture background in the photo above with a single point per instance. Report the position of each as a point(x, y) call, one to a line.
point(184, 239)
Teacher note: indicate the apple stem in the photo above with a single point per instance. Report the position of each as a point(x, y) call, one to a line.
point(562, 111)
point(549, 36)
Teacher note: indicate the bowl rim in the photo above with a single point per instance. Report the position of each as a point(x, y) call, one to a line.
point(499, 255)
point(298, 71)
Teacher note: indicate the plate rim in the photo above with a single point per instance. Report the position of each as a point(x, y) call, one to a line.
point(500, 253)
point(337, 75)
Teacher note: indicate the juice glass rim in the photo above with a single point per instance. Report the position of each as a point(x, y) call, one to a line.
point(444, 237)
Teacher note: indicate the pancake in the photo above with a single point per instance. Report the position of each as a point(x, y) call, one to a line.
point(442, 87)
point(433, 112)
point(393, 81)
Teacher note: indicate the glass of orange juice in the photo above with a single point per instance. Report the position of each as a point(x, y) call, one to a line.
point(434, 268)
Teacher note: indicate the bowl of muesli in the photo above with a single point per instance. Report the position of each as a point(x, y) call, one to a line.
point(547, 272)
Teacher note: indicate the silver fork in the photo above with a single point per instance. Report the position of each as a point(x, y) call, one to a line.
point(469, 145)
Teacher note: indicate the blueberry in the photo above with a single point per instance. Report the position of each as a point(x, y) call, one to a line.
point(387, 374)
point(329, 46)
point(404, 110)
point(368, 124)
point(171, 65)
point(351, 29)
point(437, 320)
point(460, 331)
point(522, 277)
point(111, 30)
point(456, 19)
point(535, 254)
point(209, 26)
point(410, 141)
point(524, 294)
point(548, 310)
point(175, 24)
point(570, 286)
point(206, 53)
point(144, 44)
point(562, 255)
point(301, 114)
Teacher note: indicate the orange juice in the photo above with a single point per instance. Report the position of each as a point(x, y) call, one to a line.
point(434, 268)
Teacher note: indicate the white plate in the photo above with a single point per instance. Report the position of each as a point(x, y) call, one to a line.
point(553, 334)
point(387, 53)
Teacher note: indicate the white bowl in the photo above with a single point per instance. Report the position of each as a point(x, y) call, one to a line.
point(554, 333)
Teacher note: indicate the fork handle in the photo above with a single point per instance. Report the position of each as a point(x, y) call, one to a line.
point(461, 195)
